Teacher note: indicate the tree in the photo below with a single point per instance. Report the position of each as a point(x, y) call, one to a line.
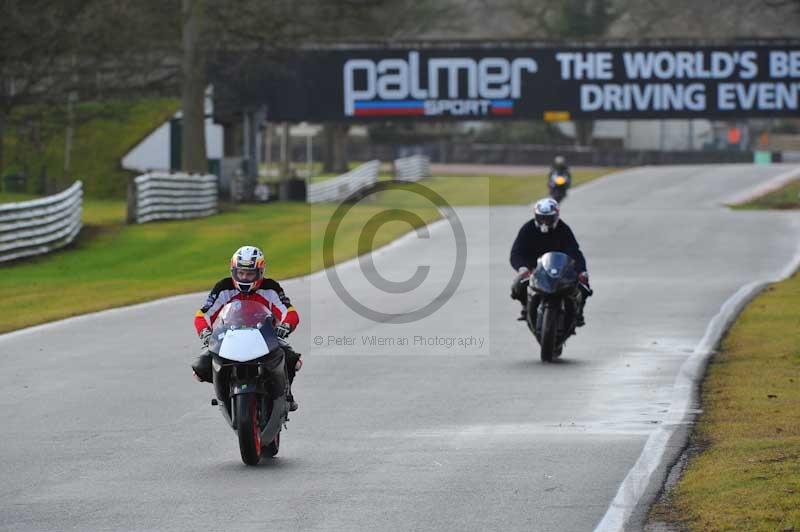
point(34, 41)
point(631, 19)
point(54, 51)
point(706, 20)
point(214, 29)
point(335, 153)
point(193, 86)
point(570, 19)
point(400, 19)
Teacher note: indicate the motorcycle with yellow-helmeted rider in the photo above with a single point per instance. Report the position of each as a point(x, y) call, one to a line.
point(559, 179)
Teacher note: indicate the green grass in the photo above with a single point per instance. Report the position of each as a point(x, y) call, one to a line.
point(13, 197)
point(500, 190)
point(747, 476)
point(95, 211)
point(491, 189)
point(319, 178)
point(316, 168)
point(106, 131)
point(112, 264)
point(103, 213)
point(787, 197)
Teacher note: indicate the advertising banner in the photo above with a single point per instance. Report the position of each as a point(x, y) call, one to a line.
point(534, 82)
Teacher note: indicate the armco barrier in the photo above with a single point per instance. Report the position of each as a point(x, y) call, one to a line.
point(341, 187)
point(159, 196)
point(412, 168)
point(42, 225)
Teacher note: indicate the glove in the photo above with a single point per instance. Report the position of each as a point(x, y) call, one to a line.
point(283, 330)
point(205, 337)
point(523, 276)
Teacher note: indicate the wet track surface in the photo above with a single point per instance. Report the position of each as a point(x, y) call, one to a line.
point(447, 423)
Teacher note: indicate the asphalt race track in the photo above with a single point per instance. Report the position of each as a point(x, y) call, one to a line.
point(446, 423)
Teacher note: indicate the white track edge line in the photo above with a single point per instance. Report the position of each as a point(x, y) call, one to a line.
point(399, 241)
point(685, 393)
point(764, 188)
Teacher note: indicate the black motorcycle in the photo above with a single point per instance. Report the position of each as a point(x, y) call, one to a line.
point(558, 184)
point(249, 377)
point(552, 302)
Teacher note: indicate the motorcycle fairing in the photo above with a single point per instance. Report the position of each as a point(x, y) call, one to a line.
point(243, 345)
point(555, 272)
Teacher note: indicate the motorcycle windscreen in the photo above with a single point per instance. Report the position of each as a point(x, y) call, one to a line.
point(552, 270)
point(247, 313)
point(240, 316)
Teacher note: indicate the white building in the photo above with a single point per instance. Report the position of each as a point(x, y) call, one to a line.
point(153, 153)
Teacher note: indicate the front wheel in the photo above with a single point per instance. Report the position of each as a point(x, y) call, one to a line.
point(549, 326)
point(248, 429)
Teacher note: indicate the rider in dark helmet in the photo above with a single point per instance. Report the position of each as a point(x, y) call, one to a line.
point(247, 282)
point(560, 166)
point(546, 232)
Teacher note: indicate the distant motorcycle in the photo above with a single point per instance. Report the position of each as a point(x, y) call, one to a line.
point(558, 184)
point(552, 302)
point(249, 376)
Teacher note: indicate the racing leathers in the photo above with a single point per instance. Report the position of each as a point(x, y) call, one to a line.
point(270, 294)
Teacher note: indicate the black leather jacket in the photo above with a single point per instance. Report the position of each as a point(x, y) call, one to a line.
point(531, 244)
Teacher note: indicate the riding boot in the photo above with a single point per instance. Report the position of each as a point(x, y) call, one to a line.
point(519, 291)
point(585, 293)
point(202, 367)
point(292, 361)
point(579, 320)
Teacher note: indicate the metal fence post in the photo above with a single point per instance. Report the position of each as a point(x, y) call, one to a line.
point(131, 215)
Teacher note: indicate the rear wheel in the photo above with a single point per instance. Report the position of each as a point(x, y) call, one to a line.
point(247, 428)
point(548, 344)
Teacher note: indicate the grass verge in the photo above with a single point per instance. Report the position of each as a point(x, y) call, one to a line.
point(501, 190)
point(13, 197)
point(112, 264)
point(746, 475)
point(787, 197)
